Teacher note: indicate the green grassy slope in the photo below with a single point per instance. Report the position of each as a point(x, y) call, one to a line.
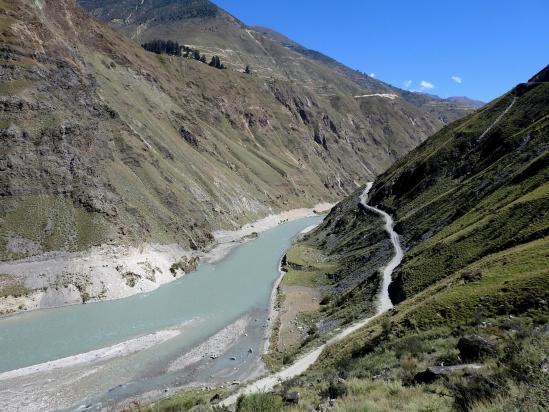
point(471, 292)
point(472, 213)
point(458, 198)
point(504, 302)
point(455, 199)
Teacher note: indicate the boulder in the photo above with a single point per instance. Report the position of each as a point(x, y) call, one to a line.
point(470, 276)
point(188, 136)
point(474, 347)
point(292, 398)
point(433, 373)
point(545, 365)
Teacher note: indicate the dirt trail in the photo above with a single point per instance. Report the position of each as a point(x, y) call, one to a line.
point(498, 119)
point(301, 365)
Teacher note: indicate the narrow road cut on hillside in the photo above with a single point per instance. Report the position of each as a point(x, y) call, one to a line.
point(267, 383)
point(498, 119)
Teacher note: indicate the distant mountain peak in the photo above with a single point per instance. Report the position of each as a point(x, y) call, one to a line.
point(466, 101)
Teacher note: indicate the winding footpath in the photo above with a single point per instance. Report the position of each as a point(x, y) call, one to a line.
point(498, 119)
point(269, 382)
point(384, 301)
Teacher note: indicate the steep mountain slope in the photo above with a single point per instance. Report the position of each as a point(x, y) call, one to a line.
point(477, 187)
point(470, 331)
point(104, 143)
point(203, 25)
point(471, 205)
point(466, 102)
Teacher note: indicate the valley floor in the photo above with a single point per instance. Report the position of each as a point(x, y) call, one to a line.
point(106, 370)
point(109, 273)
point(304, 362)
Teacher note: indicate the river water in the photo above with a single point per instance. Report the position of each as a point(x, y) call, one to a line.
point(198, 305)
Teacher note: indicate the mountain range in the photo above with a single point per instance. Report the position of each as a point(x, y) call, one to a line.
point(108, 149)
point(209, 28)
point(110, 144)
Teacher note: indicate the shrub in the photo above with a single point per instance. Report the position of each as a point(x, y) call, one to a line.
point(517, 324)
point(185, 265)
point(216, 62)
point(287, 359)
point(522, 359)
point(131, 278)
point(448, 357)
point(336, 389)
point(409, 368)
point(470, 390)
point(386, 326)
point(326, 300)
point(408, 364)
point(259, 403)
point(412, 345)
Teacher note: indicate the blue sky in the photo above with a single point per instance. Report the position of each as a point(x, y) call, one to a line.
point(478, 48)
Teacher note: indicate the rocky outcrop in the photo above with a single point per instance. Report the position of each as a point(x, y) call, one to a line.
point(188, 136)
point(474, 347)
point(185, 265)
point(433, 373)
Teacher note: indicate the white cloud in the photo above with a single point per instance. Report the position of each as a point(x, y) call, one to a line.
point(372, 75)
point(457, 79)
point(425, 85)
point(407, 84)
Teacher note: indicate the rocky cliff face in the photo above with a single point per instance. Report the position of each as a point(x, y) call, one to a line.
point(105, 143)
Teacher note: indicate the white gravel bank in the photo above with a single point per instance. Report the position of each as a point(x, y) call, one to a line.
point(60, 278)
